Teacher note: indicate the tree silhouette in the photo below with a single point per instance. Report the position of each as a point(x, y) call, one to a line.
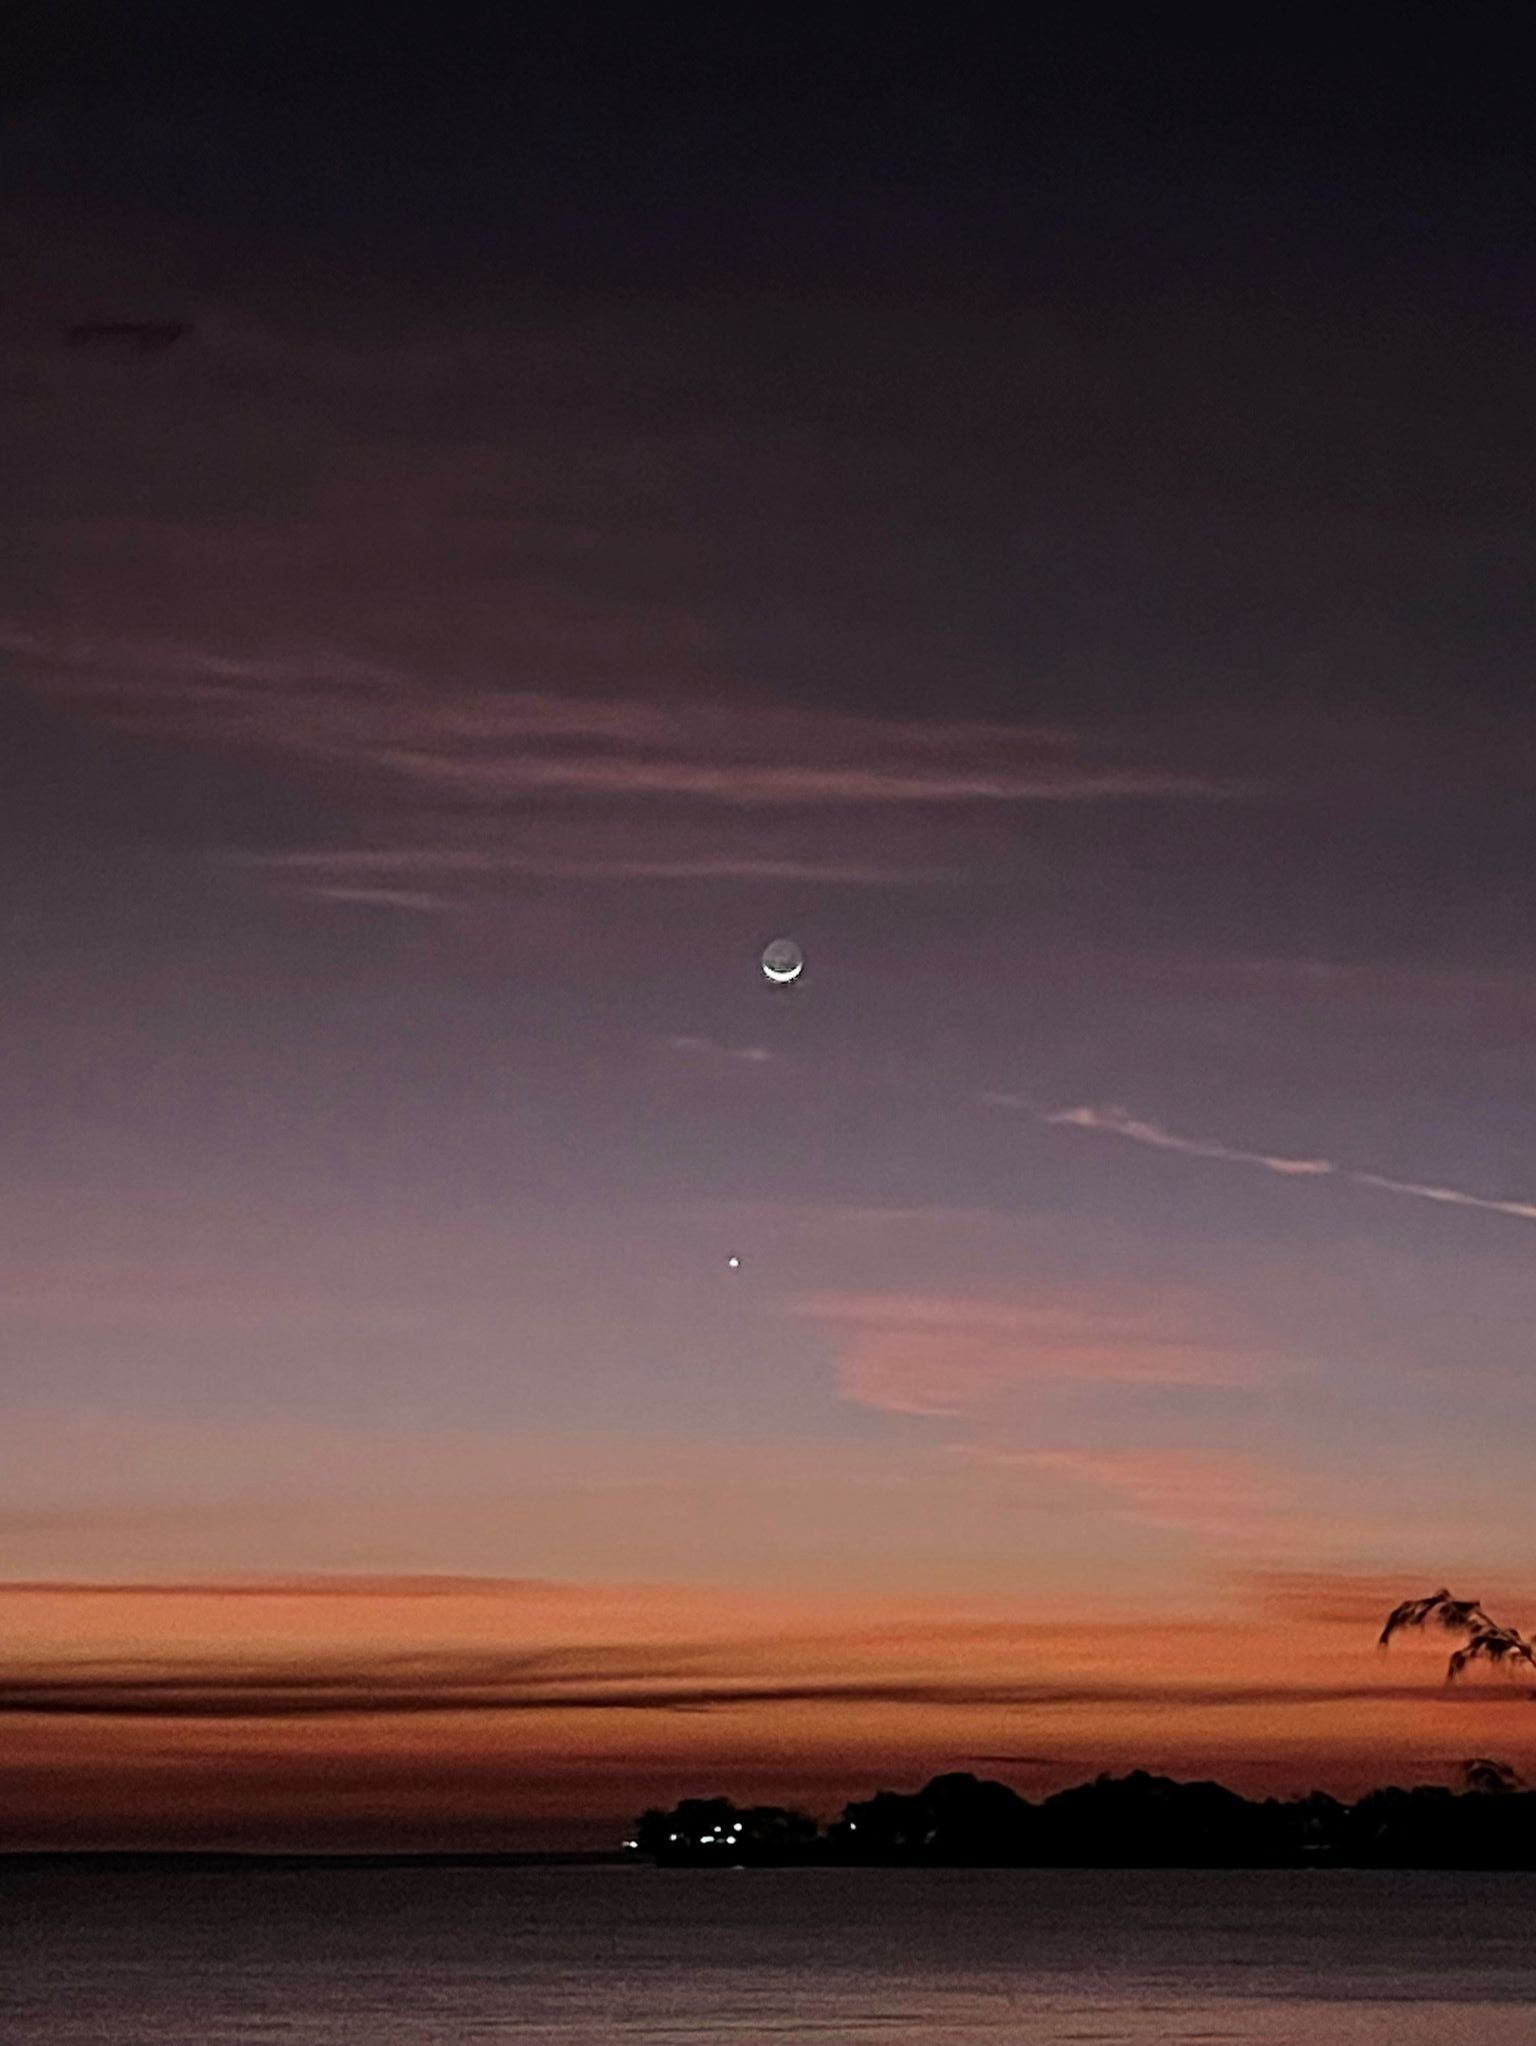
point(715, 1829)
point(1492, 1779)
point(1135, 1821)
point(1486, 1640)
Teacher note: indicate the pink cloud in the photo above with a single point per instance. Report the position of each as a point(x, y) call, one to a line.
point(917, 1355)
point(1223, 1492)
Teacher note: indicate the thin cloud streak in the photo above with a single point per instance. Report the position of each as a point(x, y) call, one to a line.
point(706, 1048)
point(331, 1587)
point(1225, 1494)
point(384, 898)
point(532, 856)
point(1353, 1599)
point(1116, 1122)
point(590, 1681)
point(483, 742)
point(459, 781)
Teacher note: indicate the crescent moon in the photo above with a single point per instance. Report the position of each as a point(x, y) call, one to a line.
point(781, 974)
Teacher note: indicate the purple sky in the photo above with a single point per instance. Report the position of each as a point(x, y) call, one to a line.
point(1090, 611)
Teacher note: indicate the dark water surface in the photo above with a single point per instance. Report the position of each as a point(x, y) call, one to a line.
point(380, 1957)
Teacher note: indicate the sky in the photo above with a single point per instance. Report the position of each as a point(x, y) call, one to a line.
point(1045, 522)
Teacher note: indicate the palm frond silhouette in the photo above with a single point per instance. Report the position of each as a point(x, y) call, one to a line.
point(1487, 1640)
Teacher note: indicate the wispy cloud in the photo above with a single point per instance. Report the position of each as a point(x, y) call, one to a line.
point(480, 743)
point(944, 1356)
point(662, 847)
point(733, 1054)
point(452, 780)
point(586, 1681)
point(335, 1586)
point(1207, 1492)
point(1357, 1599)
point(1116, 1122)
point(384, 898)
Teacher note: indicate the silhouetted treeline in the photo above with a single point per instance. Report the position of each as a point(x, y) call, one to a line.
point(1136, 1821)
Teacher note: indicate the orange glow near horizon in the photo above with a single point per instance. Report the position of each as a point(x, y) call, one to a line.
point(447, 1713)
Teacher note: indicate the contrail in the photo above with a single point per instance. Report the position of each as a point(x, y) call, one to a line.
point(1117, 1123)
point(1526, 1210)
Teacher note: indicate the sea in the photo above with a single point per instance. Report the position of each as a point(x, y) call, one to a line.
point(553, 1956)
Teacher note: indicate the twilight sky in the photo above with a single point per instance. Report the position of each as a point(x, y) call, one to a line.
point(1055, 537)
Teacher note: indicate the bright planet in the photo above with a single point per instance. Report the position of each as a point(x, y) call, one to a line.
point(783, 960)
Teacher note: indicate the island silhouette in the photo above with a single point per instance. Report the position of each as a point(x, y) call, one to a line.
point(1136, 1821)
point(1148, 1821)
